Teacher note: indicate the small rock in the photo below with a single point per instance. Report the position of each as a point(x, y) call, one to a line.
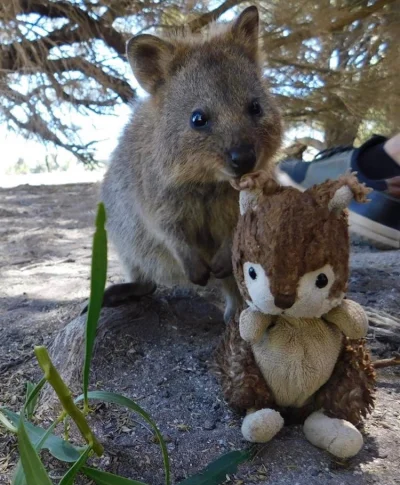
point(209, 424)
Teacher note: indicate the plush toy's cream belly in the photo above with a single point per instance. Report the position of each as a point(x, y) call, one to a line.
point(297, 357)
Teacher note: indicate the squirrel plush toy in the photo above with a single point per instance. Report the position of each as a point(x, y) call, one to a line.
point(297, 351)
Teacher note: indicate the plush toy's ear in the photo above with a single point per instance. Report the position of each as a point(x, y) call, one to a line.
point(246, 30)
point(149, 57)
point(341, 199)
point(337, 194)
point(248, 200)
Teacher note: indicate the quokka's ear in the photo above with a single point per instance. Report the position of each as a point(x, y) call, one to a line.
point(337, 194)
point(149, 57)
point(245, 29)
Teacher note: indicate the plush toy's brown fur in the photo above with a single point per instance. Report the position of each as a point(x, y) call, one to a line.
point(267, 236)
point(349, 393)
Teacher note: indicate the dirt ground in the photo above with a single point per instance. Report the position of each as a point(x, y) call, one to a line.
point(160, 353)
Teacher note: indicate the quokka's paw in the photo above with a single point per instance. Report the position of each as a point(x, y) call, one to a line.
point(259, 180)
point(197, 270)
point(123, 293)
point(221, 264)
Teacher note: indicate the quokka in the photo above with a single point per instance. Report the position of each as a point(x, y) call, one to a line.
point(208, 119)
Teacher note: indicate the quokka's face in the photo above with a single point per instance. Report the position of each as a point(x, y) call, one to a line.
point(219, 117)
point(214, 117)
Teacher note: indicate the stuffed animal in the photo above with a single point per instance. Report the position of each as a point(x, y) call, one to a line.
point(297, 351)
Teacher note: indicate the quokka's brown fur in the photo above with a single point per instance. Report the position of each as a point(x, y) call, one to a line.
point(171, 209)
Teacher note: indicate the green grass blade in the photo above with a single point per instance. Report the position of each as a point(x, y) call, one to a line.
point(113, 398)
point(30, 408)
point(32, 396)
point(34, 470)
point(68, 478)
point(97, 285)
point(216, 472)
point(104, 478)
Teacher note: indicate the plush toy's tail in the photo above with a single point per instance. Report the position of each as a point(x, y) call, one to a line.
point(242, 383)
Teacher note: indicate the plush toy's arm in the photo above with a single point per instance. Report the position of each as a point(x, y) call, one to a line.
point(350, 318)
point(253, 324)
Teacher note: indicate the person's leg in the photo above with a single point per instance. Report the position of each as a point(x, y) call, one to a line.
point(392, 148)
point(377, 163)
point(379, 158)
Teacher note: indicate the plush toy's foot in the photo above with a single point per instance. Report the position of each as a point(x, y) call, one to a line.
point(261, 426)
point(337, 436)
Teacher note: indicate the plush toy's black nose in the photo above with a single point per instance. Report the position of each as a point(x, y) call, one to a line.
point(242, 159)
point(284, 301)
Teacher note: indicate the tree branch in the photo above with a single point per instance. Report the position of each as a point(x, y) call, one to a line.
point(311, 142)
point(205, 19)
point(310, 31)
point(302, 65)
point(88, 25)
point(118, 85)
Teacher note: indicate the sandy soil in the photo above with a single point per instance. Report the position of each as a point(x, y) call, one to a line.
point(160, 355)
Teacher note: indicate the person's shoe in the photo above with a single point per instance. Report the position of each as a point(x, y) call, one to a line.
point(378, 221)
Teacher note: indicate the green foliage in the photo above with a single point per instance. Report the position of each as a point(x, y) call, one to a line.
point(32, 439)
point(113, 398)
point(35, 472)
point(104, 478)
point(60, 449)
point(30, 407)
point(216, 472)
point(69, 477)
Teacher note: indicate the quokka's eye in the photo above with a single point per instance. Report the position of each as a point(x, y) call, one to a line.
point(321, 281)
point(252, 273)
point(198, 119)
point(255, 108)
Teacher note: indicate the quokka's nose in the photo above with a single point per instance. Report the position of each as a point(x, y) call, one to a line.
point(284, 301)
point(242, 159)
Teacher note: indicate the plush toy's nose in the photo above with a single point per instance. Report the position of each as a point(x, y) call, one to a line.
point(284, 301)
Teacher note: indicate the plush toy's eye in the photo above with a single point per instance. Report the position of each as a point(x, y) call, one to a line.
point(252, 273)
point(321, 281)
point(255, 108)
point(198, 119)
